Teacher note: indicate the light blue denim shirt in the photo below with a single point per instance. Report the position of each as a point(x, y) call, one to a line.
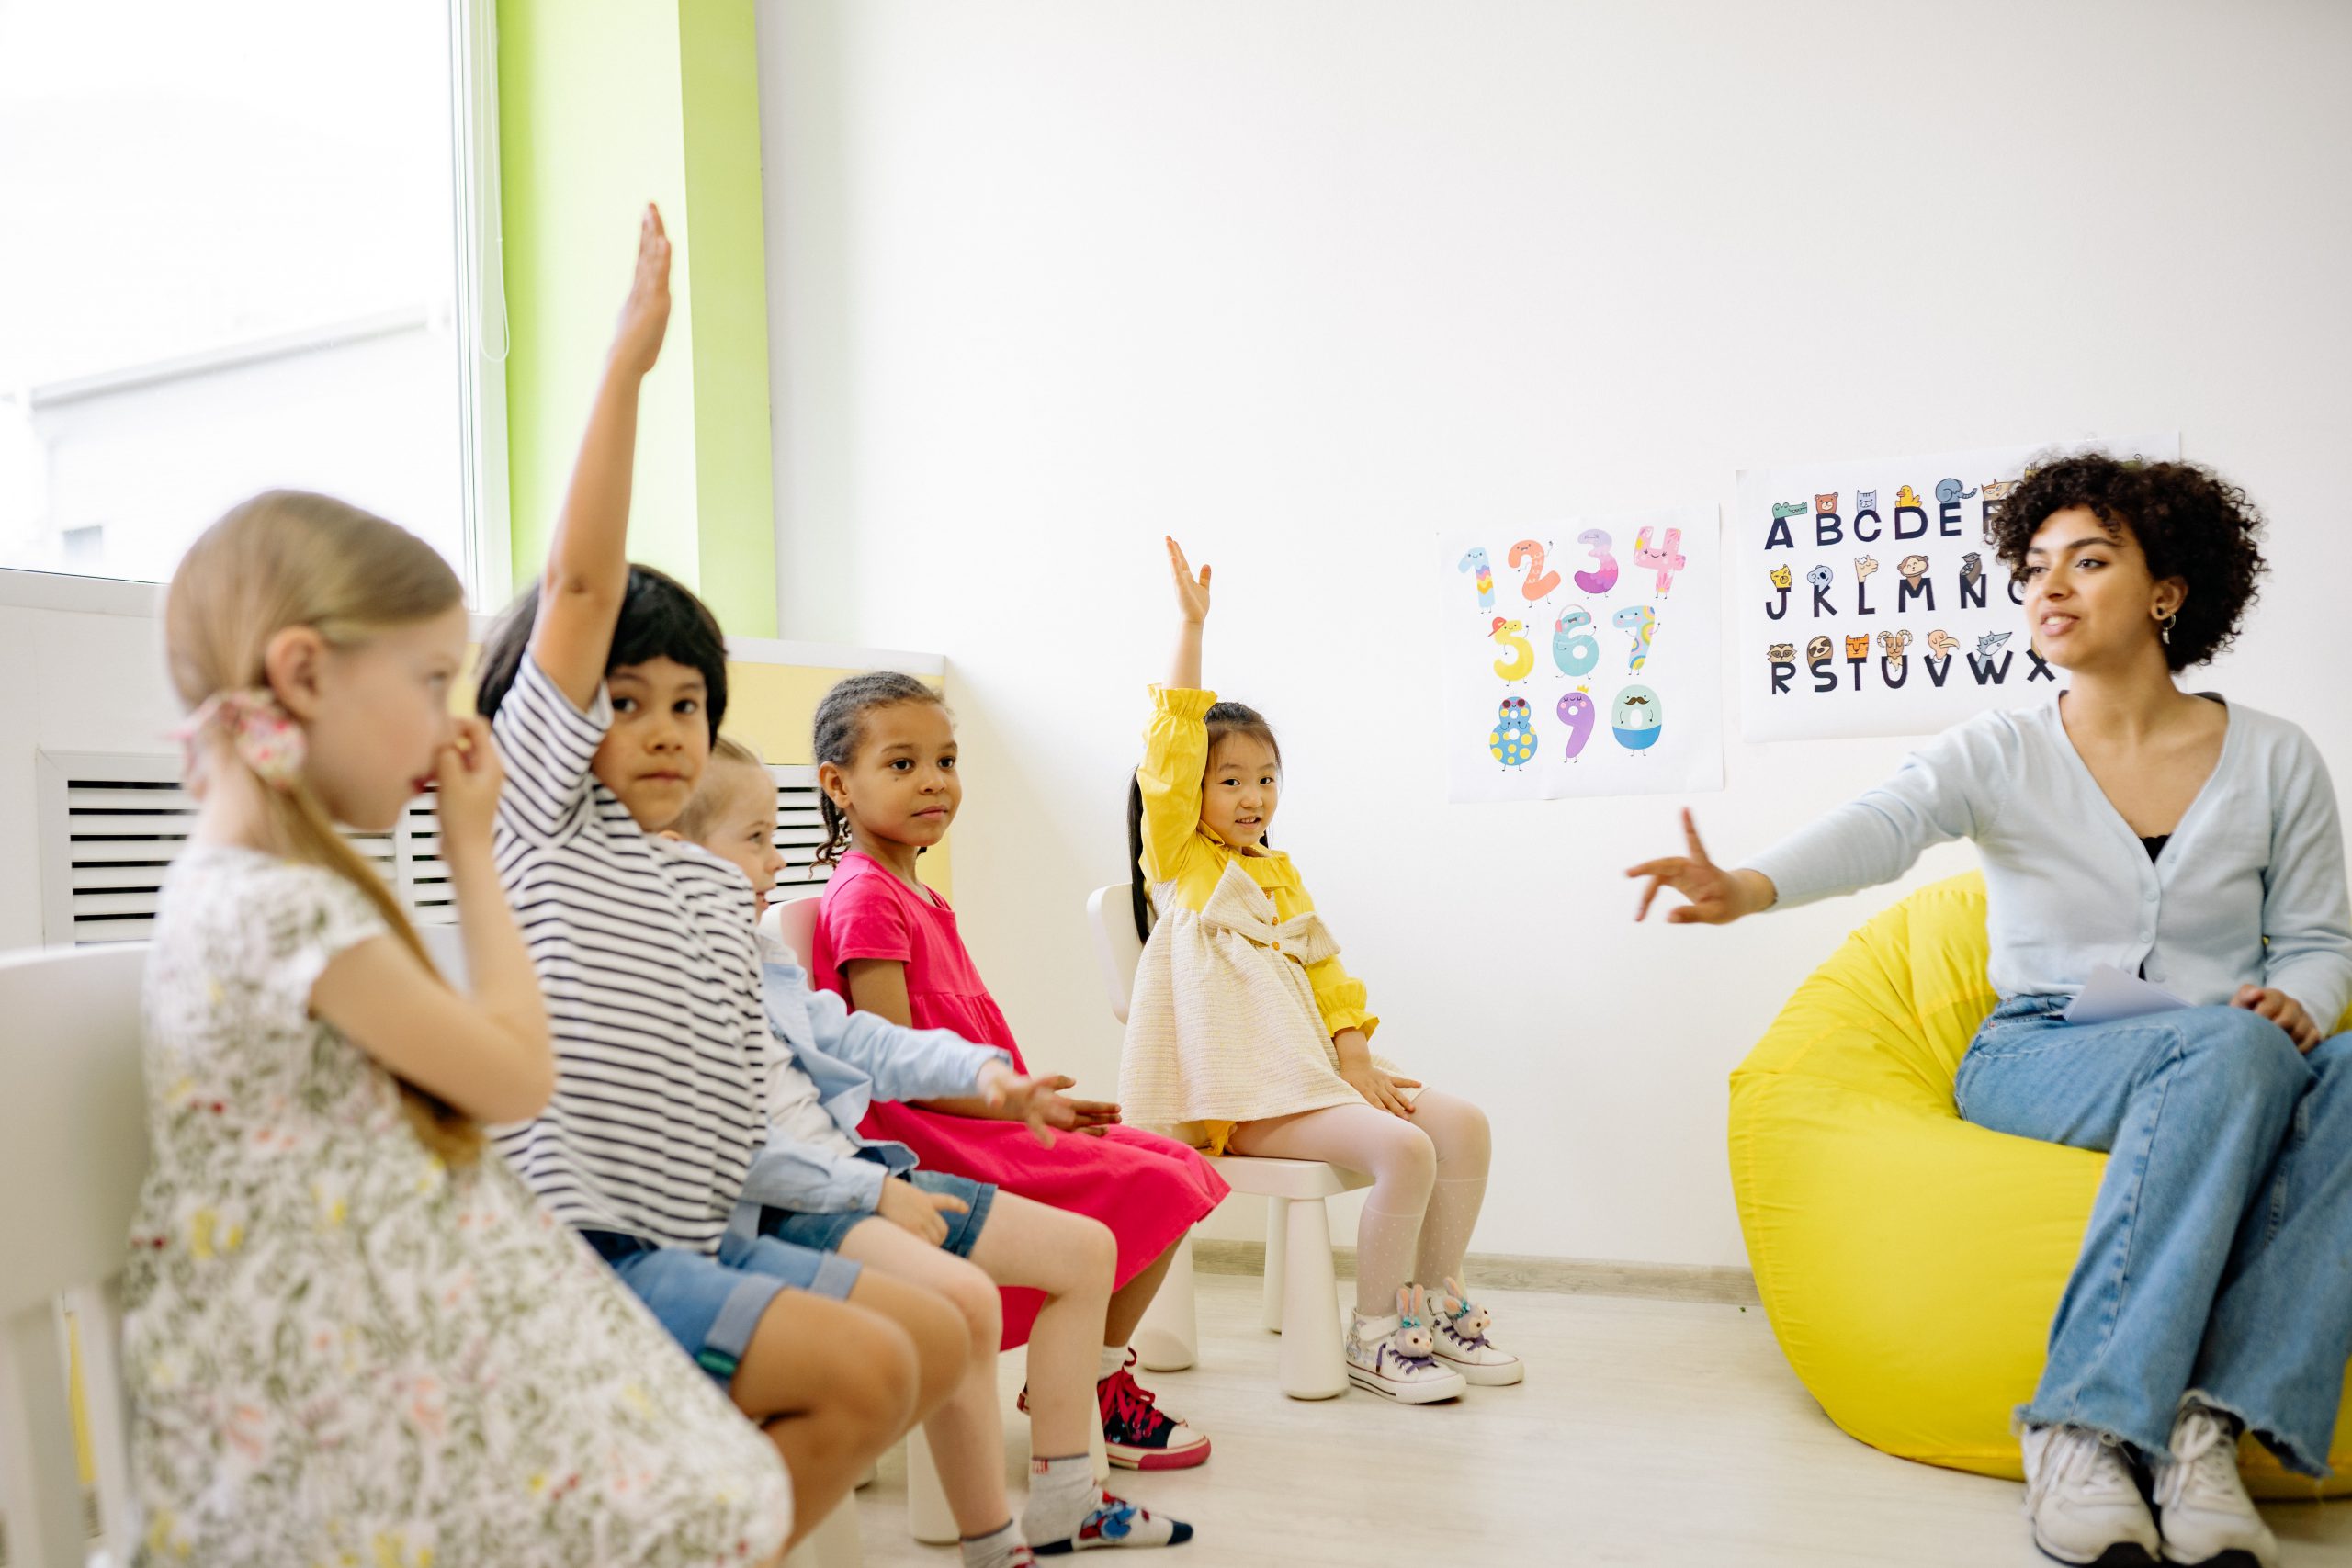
point(2249, 889)
point(854, 1058)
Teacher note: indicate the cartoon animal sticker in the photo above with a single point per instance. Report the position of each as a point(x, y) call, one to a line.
point(1476, 562)
point(1781, 578)
point(1786, 509)
point(1539, 581)
point(1781, 653)
point(1664, 560)
point(1818, 651)
point(1859, 646)
point(1641, 621)
point(1941, 643)
point(1821, 576)
point(1635, 717)
point(1865, 500)
point(1576, 711)
point(1573, 649)
point(1895, 645)
point(1512, 739)
point(1519, 658)
point(1989, 642)
point(1911, 569)
point(1603, 575)
point(1907, 496)
point(1950, 491)
point(1864, 567)
point(1972, 568)
point(1826, 504)
point(1998, 490)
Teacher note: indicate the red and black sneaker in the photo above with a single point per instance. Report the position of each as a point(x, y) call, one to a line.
point(1137, 1434)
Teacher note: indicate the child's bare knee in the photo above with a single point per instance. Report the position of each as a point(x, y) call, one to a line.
point(974, 1298)
point(881, 1375)
point(943, 1341)
point(1093, 1253)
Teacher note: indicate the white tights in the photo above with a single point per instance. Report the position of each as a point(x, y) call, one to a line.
point(1429, 1179)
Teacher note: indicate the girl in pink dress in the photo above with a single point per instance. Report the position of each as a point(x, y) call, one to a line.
point(886, 750)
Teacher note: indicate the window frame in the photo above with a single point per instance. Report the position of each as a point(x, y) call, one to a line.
point(481, 330)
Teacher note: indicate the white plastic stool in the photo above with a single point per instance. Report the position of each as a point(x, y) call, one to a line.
point(1302, 1288)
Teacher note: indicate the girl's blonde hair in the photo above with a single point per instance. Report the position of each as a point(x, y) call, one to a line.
point(702, 809)
point(292, 559)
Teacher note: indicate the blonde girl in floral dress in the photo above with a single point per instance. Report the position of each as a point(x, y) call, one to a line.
point(353, 1338)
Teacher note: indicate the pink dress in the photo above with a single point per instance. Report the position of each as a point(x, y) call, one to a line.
point(1148, 1189)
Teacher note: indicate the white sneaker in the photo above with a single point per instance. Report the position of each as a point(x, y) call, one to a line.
point(2084, 1505)
point(2208, 1518)
point(1458, 1330)
point(1393, 1356)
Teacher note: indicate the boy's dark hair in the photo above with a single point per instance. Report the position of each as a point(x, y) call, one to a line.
point(840, 729)
point(1223, 719)
point(2191, 524)
point(660, 617)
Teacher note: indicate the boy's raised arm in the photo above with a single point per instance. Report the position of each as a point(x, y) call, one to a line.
point(587, 571)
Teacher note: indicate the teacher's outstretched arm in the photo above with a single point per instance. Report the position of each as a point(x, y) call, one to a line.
point(1716, 896)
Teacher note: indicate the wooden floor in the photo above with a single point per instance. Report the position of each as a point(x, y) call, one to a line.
point(1647, 1432)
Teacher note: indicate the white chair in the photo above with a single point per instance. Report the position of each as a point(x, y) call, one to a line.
point(73, 1152)
point(1301, 1285)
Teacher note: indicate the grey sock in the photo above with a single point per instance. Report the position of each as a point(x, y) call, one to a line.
point(997, 1549)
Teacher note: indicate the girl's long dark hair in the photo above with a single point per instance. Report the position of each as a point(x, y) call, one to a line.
point(1223, 720)
point(840, 730)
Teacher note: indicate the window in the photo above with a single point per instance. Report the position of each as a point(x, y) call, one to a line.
point(251, 244)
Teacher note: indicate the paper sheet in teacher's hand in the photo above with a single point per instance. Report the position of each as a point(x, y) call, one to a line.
point(2110, 994)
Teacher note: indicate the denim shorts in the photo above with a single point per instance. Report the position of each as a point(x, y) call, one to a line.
point(826, 1231)
point(711, 1304)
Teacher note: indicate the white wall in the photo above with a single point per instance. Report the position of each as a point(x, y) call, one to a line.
point(1302, 283)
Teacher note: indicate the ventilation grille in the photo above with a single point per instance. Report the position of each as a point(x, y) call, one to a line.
point(111, 826)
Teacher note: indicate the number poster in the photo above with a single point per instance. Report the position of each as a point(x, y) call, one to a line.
point(1582, 657)
point(1870, 602)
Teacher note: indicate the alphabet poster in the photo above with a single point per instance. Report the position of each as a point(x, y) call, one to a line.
point(1581, 657)
point(1870, 602)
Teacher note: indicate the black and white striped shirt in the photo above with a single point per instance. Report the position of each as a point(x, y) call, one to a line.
point(646, 951)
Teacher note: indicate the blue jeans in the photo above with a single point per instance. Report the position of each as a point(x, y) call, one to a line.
point(2218, 1257)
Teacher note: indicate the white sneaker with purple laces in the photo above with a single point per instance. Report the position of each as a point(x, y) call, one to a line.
point(1394, 1357)
point(1460, 1328)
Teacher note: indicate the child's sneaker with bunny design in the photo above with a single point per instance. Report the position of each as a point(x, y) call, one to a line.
point(1458, 1328)
point(1396, 1357)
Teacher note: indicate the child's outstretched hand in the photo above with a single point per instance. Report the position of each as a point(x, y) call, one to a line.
point(1192, 592)
point(645, 315)
point(913, 1210)
point(1023, 1099)
point(467, 775)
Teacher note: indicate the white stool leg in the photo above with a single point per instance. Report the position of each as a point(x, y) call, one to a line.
point(929, 1519)
point(1313, 1363)
point(1169, 1337)
point(833, 1544)
point(1277, 1253)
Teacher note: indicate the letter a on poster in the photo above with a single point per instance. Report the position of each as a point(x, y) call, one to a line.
point(1869, 602)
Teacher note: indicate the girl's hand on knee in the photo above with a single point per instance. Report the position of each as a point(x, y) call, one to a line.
point(917, 1212)
point(2281, 1009)
point(1380, 1090)
point(1192, 592)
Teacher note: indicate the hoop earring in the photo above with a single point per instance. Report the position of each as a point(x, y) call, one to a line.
point(2164, 627)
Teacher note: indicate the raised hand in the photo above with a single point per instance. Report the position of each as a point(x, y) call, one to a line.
point(645, 315)
point(1192, 592)
point(1716, 896)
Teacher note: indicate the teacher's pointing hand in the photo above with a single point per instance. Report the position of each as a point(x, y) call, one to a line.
point(1716, 896)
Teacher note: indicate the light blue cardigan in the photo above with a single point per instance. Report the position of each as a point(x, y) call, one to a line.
point(2249, 889)
point(854, 1058)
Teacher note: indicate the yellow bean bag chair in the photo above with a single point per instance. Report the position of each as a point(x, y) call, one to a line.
point(1911, 1262)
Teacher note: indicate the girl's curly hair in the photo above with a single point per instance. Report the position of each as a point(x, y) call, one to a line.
point(2191, 524)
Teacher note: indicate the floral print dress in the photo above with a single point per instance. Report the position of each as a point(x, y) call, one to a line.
point(342, 1350)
